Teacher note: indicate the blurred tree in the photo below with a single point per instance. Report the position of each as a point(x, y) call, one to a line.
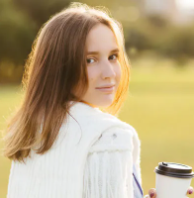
point(138, 39)
point(157, 21)
point(20, 21)
point(178, 43)
point(41, 11)
point(16, 33)
point(161, 36)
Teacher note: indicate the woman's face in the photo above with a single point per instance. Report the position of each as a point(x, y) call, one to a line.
point(103, 66)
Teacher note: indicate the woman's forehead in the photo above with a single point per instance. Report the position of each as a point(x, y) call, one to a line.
point(100, 38)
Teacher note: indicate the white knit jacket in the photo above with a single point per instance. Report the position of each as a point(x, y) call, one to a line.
point(59, 172)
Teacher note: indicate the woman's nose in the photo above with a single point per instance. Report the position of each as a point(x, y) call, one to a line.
point(108, 70)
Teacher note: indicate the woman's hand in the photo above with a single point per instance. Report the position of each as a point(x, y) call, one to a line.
point(152, 192)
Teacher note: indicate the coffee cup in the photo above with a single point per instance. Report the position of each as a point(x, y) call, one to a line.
point(173, 180)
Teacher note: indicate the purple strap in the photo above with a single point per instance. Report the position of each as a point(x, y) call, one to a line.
point(140, 190)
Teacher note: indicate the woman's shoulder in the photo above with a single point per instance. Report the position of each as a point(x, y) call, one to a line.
point(88, 116)
point(113, 139)
point(119, 125)
point(117, 136)
point(93, 121)
point(102, 121)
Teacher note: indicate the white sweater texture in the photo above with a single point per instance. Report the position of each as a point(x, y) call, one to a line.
point(92, 157)
point(107, 172)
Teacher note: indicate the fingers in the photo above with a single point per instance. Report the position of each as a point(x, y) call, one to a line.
point(190, 190)
point(152, 193)
point(148, 196)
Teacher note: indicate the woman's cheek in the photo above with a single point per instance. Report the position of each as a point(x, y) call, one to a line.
point(92, 73)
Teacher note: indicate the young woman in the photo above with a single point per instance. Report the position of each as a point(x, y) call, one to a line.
point(65, 140)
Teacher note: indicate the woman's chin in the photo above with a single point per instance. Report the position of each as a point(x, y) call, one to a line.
point(106, 102)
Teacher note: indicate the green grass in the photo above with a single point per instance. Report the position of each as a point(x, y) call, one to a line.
point(9, 99)
point(161, 108)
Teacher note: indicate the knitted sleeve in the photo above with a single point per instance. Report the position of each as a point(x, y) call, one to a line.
point(137, 154)
point(109, 166)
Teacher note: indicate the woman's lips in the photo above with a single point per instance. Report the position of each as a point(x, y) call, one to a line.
point(106, 89)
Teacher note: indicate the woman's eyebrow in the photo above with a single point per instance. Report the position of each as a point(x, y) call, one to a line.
point(96, 52)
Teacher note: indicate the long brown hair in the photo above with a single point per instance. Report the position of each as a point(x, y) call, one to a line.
point(54, 69)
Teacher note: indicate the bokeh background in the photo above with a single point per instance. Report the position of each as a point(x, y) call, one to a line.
point(159, 39)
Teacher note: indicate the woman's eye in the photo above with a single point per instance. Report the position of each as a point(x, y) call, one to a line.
point(88, 60)
point(116, 55)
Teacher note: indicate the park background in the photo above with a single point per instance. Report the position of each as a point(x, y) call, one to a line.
point(159, 40)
